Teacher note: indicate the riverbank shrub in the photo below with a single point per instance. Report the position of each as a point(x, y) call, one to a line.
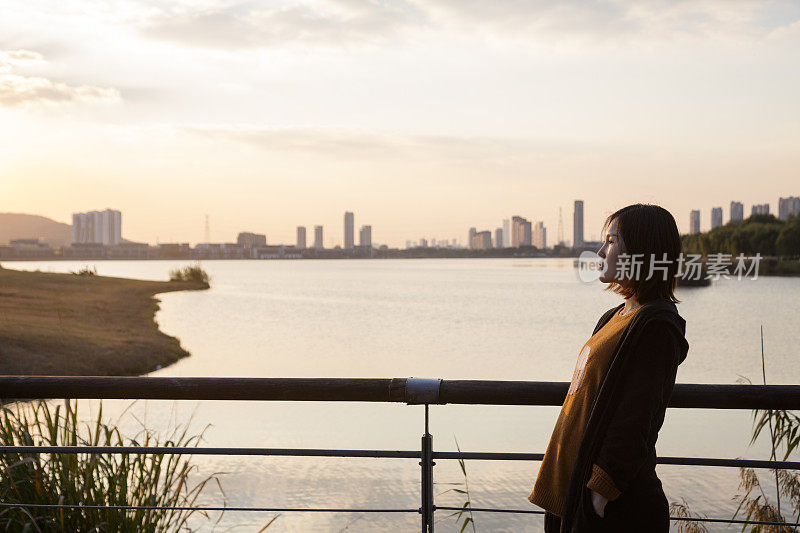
point(86, 271)
point(193, 273)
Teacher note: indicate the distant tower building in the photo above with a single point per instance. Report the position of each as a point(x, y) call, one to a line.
point(301, 237)
point(408, 245)
point(251, 240)
point(716, 217)
point(482, 240)
point(577, 225)
point(560, 228)
point(114, 226)
point(498, 238)
point(318, 242)
point(77, 228)
point(365, 236)
point(694, 221)
point(788, 206)
point(506, 233)
point(527, 234)
point(540, 236)
point(759, 209)
point(520, 232)
point(349, 230)
point(97, 227)
point(471, 237)
point(737, 211)
point(423, 243)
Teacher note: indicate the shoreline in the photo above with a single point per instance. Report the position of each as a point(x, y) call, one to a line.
point(69, 324)
point(769, 266)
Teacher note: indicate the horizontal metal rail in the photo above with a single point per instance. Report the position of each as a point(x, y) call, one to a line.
point(686, 519)
point(413, 391)
point(190, 450)
point(685, 395)
point(344, 510)
point(212, 508)
point(386, 454)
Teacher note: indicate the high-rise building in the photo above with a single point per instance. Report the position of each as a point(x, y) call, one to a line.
point(716, 217)
point(506, 233)
point(365, 236)
point(737, 211)
point(408, 245)
point(482, 240)
point(301, 237)
point(577, 225)
point(498, 238)
point(80, 228)
point(540, 236)
point(471, 237)
point(349, 230)
point(97, 227)
point(759, 209)
point(423, 243)
point(318, 242)
point(520, 232)
point(694, 221)
point(251, 240)
point(788, 206)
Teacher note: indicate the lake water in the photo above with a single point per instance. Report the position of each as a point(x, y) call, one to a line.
point(505, 319)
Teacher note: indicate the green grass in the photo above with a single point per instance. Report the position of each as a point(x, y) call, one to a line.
point(465, 514)
point(90, 479)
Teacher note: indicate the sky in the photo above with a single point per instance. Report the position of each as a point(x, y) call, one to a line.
point(423, 118)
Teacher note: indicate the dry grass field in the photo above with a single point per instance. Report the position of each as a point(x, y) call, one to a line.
point(68, 324)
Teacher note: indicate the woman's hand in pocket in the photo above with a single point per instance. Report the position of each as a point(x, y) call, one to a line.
point(599, 503)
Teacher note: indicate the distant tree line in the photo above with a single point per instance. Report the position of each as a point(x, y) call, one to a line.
point(764, 234)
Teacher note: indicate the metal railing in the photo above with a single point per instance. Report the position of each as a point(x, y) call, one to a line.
point(412, 391)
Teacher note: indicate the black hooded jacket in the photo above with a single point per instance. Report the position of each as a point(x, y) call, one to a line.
point(629, 406)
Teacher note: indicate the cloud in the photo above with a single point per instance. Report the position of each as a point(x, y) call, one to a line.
point(367, 144)
point(339, 22)
point(326, 22)
point(21, 55)
point(616, 20)
point(22, 91)
point(10, 57)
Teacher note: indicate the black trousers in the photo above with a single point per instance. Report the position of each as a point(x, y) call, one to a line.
point(643, 507)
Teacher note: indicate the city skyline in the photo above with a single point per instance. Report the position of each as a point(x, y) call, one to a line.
point(332, 239)
point(105, 227)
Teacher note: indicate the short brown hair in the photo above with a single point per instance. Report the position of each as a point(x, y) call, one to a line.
point(649, 230)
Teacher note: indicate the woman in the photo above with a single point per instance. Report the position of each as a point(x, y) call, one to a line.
point(598, 473)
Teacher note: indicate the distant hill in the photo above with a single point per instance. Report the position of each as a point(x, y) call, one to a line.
point(22, 226)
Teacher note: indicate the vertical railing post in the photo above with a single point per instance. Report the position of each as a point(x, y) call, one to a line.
point(426, 464)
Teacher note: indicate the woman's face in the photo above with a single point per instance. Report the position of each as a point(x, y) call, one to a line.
point(611, 249)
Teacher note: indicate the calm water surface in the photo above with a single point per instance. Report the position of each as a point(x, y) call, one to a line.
point(503, 319)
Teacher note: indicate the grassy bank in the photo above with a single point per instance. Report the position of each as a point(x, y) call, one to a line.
point(66, 324)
